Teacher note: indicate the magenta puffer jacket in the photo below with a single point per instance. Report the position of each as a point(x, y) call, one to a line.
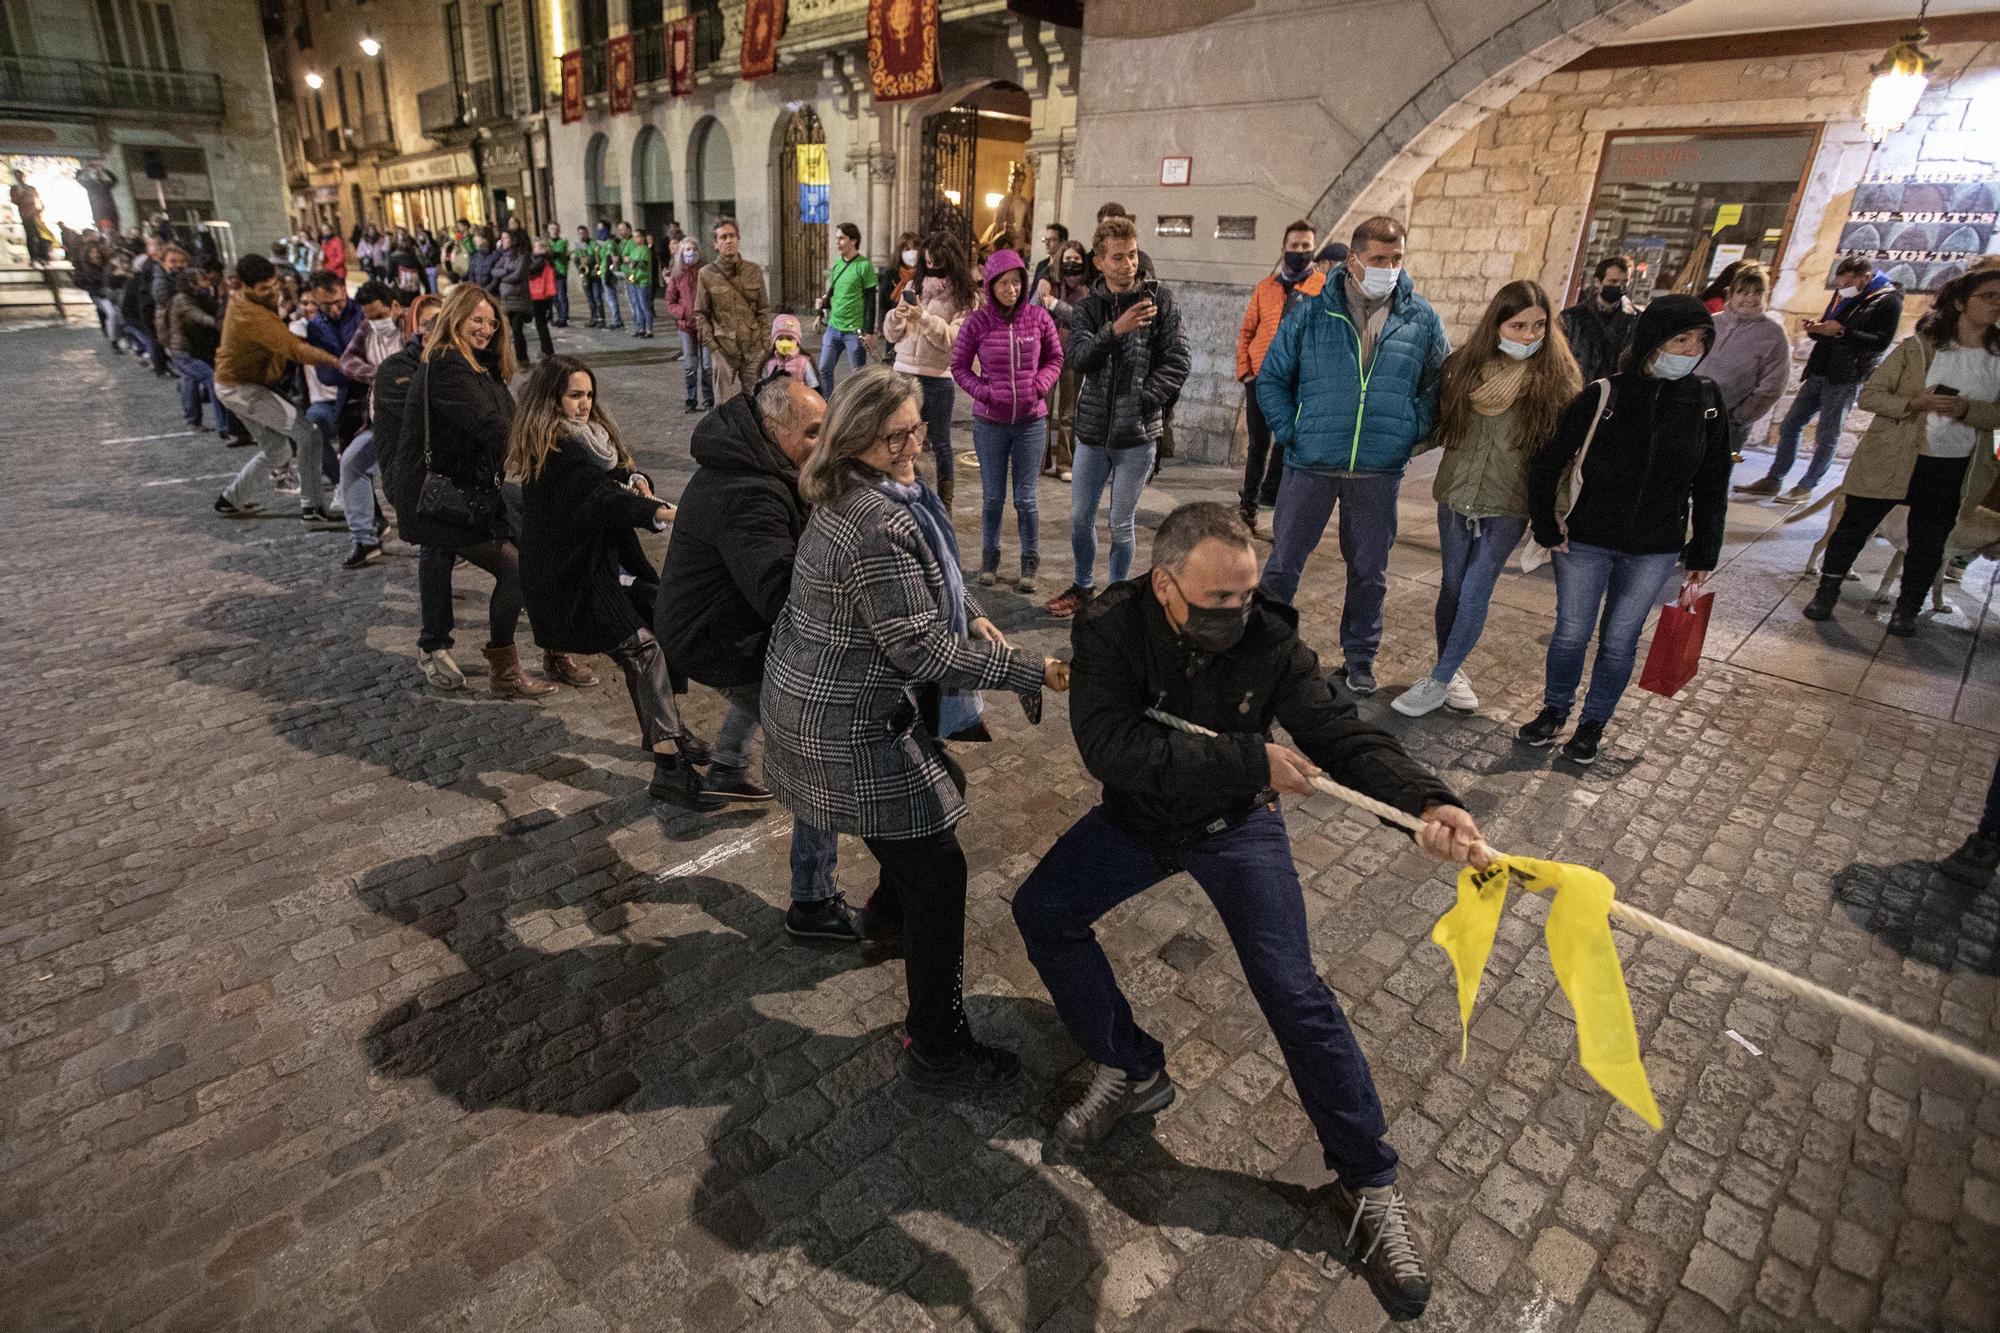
point(1019, 357)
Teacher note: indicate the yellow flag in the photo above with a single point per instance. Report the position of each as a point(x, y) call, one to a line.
point(1581, 953)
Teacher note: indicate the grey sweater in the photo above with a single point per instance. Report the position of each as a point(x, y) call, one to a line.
point(1749, 363)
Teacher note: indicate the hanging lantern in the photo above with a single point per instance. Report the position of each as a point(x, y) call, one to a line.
point(1900, 78)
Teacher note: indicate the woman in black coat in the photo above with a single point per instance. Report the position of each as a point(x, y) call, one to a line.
point(454, 440)
point(581, 502)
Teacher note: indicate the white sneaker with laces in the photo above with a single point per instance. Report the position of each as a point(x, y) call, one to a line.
point(1458, 695)
point(440, 671)
point(1112, 1097)
point(1381, 1239)
point(1426, 696)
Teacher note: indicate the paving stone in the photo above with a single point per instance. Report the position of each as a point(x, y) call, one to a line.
point(1562, 1261)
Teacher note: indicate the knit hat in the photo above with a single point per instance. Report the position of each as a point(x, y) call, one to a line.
point(787, 326)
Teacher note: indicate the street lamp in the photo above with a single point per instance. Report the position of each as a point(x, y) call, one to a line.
point(314, 81)
point(1900, 78)
point(369, 46)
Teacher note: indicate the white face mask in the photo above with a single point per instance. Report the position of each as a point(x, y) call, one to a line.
point(1377, 283)
point(1672, 365)
point(383, 326)
point(1849, 293)
point(689, 256)
point(1520, 351)
point(909, 259)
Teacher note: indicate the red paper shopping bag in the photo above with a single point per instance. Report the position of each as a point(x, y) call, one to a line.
point(1676, 651)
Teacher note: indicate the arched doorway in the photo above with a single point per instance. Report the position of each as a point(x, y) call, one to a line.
point(600, 181)
point(652, 183)
point(714, 193)
point(974, 177)
point(802, 209)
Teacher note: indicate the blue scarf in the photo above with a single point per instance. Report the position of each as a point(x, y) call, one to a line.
point(961, 709)
point(1838, 307)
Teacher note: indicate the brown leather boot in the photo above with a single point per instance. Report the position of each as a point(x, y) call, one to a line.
point(506, 679)
point(567, 669)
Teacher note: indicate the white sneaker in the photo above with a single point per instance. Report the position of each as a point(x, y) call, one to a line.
point(1796, 495)
point(1458, 694)
point(440, 672)
point(1426, 696)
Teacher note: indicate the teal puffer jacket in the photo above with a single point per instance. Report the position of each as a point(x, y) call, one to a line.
point(1330, 417)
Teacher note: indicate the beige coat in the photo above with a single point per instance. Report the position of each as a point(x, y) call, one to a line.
point(1887, 454)
point(734, 316)
point(924, 335)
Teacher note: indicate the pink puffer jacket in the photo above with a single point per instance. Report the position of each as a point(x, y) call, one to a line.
point(1019, 352)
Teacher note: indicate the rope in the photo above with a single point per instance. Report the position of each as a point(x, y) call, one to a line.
point(1714, 950)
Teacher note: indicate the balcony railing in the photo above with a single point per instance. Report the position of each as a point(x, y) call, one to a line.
point(596, 70)
point(439, 109)
point(649, 54)
point(82, 85)
point(707, 38)
point(485, 100)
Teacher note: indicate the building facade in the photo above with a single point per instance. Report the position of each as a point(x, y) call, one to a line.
point(120, 110)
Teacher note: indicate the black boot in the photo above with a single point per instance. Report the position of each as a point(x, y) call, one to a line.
point(1903, 621)
point(1824, 598)
point(681, 784)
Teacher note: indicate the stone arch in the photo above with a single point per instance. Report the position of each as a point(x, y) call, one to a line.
point(711, 175)
point(652, 183)
point(600, 180)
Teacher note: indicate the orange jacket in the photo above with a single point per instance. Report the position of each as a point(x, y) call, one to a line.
point(1260, 321)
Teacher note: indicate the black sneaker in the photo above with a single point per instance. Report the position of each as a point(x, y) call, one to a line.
point(827, 919)
point(1824, 599)
point(976, 1068)
point(734, 784)
point(223, 506)
point(1113, 1096)
point(1903, 623)
point(680, 784)
point(1581, 748)
point(1376, 1223)
point(318, 514)
point(1360, 678)
point(362, 553)
point(1974, 862)
point(689, 408)
point(1548, 725)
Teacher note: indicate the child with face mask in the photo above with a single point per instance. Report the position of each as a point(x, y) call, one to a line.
point(788, 352)
point(697, 376)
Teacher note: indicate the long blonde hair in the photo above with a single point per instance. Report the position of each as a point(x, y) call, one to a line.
point(539, 422)
point(459, 304)
point(1553, 378)
point(862, 402)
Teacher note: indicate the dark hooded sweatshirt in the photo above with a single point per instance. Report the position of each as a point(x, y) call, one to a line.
point(729, 568)
point(1661, 451)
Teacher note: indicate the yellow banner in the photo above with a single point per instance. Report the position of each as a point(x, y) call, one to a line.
point(812, 165)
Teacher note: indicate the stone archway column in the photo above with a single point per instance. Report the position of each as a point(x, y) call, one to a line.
point(1047, 70)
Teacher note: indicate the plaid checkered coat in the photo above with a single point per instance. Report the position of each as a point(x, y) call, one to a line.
point(844, 745)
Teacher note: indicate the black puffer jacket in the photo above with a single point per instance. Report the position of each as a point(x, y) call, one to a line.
point(389, 391)
point(577, 527)
point(1598, 337)
point(1869, 327)
point(469, 413)
point(1662, 447)
point(1167, 787)
point(729, 568)
point(1126, 383)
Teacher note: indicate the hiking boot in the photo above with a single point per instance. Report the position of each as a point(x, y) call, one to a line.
point(1903, 622)
point(1426, 696)
point(506, 679)
point(568, 669)
point(1360, 678)
point(1824, 599)
point(827, 919)
point(1973, 863)
point(1548, 725)
point(975, 1068)
point(440, 671)
point(688, 408)
point(1068, 602)
point(989, 568)
point(1581, 748)
point(734, 784)
point(362, 553)
point(681, 784)
point(224, 506)
point(1458, 695)
point(1031, 566)
point(1379, 1236)
point(1112, 1096)
point(1761, 486)
point(1797, 495)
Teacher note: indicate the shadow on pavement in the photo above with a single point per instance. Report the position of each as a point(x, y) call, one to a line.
point(1923, 915)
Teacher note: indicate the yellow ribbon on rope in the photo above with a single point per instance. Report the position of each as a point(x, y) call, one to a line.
point(1581, 953)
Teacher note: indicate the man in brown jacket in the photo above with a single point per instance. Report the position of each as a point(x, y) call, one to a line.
point(255, 352)
point(733, 313)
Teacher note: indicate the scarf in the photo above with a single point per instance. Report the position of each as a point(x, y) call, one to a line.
point(958, 710)
point(1838, 306)
point(595, 440)
point(1499, 386)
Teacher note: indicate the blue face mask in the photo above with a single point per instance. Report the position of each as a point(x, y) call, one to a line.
point(1672, 365)
point(1520, 351)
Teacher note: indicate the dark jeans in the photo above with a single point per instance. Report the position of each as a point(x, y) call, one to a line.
point(1265, 467)
point(1248, 873)
point(520, 323)
point(1933, 502)
point(831, 348)
point(561, 299)
point(1367, 503)
point(1625, 588)
point(503, 609)
point(1989, 827)
point(938, 392)
point(923, 885)
point(1830, 403)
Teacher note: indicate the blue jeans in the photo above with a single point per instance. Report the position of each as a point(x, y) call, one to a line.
point(326, 416)
point(1247, 872)
point(829, 355)
point(697, 372)
point(357, 487)
point(998, 446)
point(1126, 471)
point(938, 395)
point(194, 377)
point(815, 851)
point(562, 299)
point(1627, 588)
point(503, 608)
point(641, 297)
point(1473, 552)
point(1831, 403)
point(613, 312)
point(593, 292)
point(1367, 503)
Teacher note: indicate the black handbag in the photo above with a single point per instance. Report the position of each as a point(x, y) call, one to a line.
point(444, 499)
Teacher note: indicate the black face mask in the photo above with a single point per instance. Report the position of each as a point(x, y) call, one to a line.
point(1212, 630)
point(1073, 269)
point(1611, 293)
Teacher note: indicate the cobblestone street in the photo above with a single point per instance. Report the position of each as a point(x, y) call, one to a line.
point(333, 1002)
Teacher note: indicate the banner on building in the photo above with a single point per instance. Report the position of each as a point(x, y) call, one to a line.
point(618, 68)
point(815, 184)
point(1922, 231)
point(572, 86)
point(763, 24)
point(680, 56)
point(903, 49)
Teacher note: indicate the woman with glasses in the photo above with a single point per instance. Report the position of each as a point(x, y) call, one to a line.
point(879, 654)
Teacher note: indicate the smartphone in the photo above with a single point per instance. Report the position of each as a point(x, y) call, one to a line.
point(910, 294)
point(1944, 391)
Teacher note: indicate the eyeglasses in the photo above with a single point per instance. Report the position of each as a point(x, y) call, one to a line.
point(902, 441)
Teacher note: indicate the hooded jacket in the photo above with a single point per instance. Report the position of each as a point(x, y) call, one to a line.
point(1868, 325)
point(1019, 353)
point(1167, 787)
point(1125, 384)
point(729, 567)
point(1661, 449)
point(1330, 414)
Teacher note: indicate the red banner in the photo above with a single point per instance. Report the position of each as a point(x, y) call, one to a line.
point(618, 67)
point(680, 56)
point(572, 86)
point(903, 49)
point(763, 24)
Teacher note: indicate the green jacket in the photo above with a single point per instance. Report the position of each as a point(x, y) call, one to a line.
point(559, 256)
point(636, 262)
point(1484, 475)
point(606, 252)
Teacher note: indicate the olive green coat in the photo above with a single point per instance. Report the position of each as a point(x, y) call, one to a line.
point(1484, 474)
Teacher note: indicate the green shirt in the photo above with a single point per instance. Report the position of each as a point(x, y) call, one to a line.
point(606, 252)
point(850, 280)
point(559, 256)
point(637, 262)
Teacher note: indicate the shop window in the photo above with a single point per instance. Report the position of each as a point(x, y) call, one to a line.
point(1687, 205)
